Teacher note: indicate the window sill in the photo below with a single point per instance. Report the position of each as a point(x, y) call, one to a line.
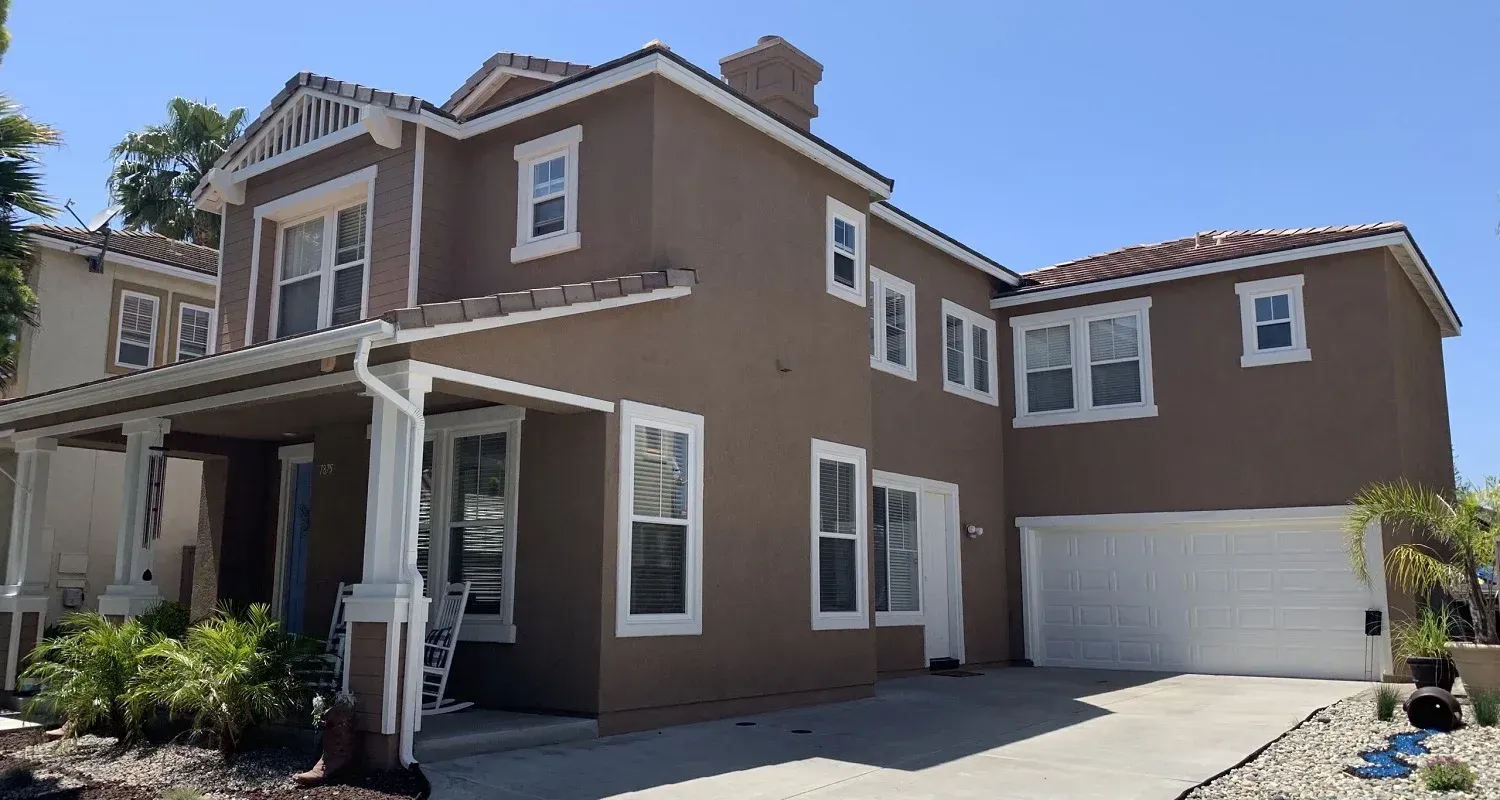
point(908, 373)
point(898, 619)
point(628, 627)
point(1276, 357)
point(1080, 417)
point(848, 293)
point(840, 621)
point(964, 391)
point(486, 628)
point(550, 246)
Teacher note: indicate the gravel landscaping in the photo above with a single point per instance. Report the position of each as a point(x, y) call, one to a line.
point(1308, 763)
point(94, 768)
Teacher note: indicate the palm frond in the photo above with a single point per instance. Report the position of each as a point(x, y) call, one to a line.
point(157, 168)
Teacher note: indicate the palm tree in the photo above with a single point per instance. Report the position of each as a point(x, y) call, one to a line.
point(21, 140)
point(1454, 539)
point(157, 168)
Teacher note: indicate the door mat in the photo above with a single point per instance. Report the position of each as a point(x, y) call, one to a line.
point(957, 673)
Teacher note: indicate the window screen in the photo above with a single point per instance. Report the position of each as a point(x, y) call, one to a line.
point(659, 521)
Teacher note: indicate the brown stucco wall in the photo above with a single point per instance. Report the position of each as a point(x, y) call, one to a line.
point(1416, 347)
point(554, 663)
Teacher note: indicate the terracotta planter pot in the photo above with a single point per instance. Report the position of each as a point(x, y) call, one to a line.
point(1478, 664)
point(1437, 672)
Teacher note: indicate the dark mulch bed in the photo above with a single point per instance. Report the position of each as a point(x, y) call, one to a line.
point(394, 785)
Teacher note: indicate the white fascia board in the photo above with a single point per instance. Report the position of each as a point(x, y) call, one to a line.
point(521, 317)
point(1399, 240)
point(323, 344)
point(906, 226)
point(1248, 515)
point(74, 248)
point(439, 372)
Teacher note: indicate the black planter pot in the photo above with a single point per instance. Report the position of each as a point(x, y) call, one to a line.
point(1438, 672)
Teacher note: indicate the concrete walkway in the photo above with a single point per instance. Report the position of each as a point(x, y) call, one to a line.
point(1016, 733)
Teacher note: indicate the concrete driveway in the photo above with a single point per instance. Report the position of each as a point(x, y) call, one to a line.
point(1013, 733)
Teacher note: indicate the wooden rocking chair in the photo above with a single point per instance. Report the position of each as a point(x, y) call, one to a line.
point(442, 640)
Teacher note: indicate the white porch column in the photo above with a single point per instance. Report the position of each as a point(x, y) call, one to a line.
point(23, 598)
point(134, 591)
point(378, 607)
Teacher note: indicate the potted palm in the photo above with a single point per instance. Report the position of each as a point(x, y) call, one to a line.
point(1423, 643)
point(1449, 542)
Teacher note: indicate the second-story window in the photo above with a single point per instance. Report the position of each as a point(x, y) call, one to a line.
point(321, 272)
point(968, 353)
point(845, 254)
point(892, 303)
point(1087, 364)
point(547, 195)
point(135, 346)
point(193, 324)
point(1271, 321)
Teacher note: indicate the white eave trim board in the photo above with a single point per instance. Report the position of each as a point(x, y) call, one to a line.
point(492, 83)
point(1248, 515)
point(901, 223)
point(438, 372)
point(124, 259)
point(1400, 242)
point(521, 317)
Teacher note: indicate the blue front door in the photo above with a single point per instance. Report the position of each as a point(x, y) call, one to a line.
point(299, 520)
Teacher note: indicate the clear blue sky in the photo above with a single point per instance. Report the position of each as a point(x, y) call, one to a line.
point(1034, 132)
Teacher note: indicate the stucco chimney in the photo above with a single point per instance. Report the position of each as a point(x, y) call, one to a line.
point(776, 75)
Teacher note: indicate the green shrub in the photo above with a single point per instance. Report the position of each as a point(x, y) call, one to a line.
point(168, 619)
point(182, 793)
point(86, 673)
point(1447, 774)
point(17, 778)
point(230, 673)
point(1424, 637)
point(1387, 699)
point(1486, 706)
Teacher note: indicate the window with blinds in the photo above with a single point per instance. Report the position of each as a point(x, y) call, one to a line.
point(135, 345)
point(968, 353)
point(477, 534)
point(424, 518)
point(661, 481)
point(1085, 364)
point(898, 574)
point(321, 273)
point(891, 302)
point(193, 323)
point(1115, 361)
point(1049, 368)
point(838, 536)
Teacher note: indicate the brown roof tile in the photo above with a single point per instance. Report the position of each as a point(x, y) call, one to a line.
point(150, 246)
point(498, 305)
point(518, 61)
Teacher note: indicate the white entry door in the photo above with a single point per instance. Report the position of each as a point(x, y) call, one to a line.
point(1260, 592)
point(917, 576)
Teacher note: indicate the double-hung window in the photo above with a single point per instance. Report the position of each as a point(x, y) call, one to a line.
point(839, 528)
point(1271, 320)
point(892, 303)
point(547, 195)
point(321, 270)
point(969, 353)
point(193, 326)
point(135, 328)
point(1084, 364)
point(659, 579)
point(845, 252)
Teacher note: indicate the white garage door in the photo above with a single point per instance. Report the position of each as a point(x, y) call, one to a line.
point(1264, 592)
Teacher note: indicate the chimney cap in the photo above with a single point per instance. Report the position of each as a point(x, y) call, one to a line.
point(769, 41)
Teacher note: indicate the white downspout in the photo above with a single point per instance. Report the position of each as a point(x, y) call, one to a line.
point(412, 692)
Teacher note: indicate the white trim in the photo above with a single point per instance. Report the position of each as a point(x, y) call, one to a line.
point(971, 320)
point(520, 317)
point(1078, 319)
point(213, 334)
point(1251, 515)
point(860, 617)
point(492, 83)
point(290, 456)
point(255, 270)
point(1249, 292)
point(156, 320)
point(313, 198)
point(837, 211)
point(884, 281)
point(124, 259)
point(208, 346)
point(414, 256)
point(488, 416)
point(899, 221)
point(564, 144)
point(328, 269)
point(690, 622)
point(953, 557)
point(1400, 243)
point(439, 372)
point(244, 174)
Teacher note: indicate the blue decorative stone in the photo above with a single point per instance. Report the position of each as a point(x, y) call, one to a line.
point(1390, 761)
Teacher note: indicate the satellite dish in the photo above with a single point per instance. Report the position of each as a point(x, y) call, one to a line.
point(98, 224)
point(100, 220)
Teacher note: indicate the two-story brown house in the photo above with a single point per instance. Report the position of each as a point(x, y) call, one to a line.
point(772, 446)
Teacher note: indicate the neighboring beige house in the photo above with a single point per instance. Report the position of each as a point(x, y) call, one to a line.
point(151, 303)
point(781, 440)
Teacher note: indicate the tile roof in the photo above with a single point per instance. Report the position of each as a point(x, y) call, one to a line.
point(1204, 248)
point(562, 69)
point(499, 305)
point(150, 246)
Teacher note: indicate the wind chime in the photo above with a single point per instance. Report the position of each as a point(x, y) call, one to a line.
point(156, 478)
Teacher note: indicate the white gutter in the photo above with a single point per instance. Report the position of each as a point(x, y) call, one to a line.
point(412, 693)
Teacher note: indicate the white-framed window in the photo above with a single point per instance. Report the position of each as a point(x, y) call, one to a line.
point(969, 353)
point(659, 579)
point(1271, 321)
point(893, 331)
point(466, 514)
point(193, 326)
point(135, 328)
point(839, 530)
point(322, 266)
point(845, 252)
point(898, 563)
point(1087, 364)
point(547, 195)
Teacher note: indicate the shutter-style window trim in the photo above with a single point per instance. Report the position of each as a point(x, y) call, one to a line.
point(194, 324)
point(135, 330)
point(840, 530)
point(659, 570)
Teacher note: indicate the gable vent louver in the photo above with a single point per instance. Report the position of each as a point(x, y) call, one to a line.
point(307, 119)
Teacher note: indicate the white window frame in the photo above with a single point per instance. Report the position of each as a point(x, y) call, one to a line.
point(326, 268)
point(972, 320)
point(690, 622)
point(114, 357)
point(1249, 292)
point(528, 154)
point(208, 346)
point(880, 282)
point(860, 617)
point(856, 293)
point(1078, 320)
point(890, 481)
point(442, 430)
